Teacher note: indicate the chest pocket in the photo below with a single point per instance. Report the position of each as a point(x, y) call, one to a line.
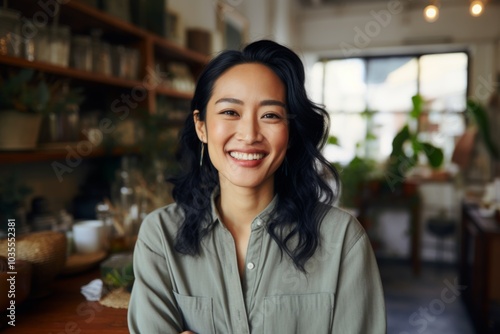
point(306, 313)
point(197, 313)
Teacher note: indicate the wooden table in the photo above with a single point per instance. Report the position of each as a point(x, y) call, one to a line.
point(372, 203)
point(66, 311)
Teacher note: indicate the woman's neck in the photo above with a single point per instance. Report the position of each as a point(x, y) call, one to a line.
point(238, 206)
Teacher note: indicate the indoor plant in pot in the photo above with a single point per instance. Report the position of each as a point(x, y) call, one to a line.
point(408, 150)
point(359, 172)
point(61, 119)
point(23, 99)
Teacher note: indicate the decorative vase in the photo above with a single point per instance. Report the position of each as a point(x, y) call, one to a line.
point(19, 130)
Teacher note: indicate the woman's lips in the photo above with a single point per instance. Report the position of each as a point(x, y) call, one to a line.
point(247, 159)
point(246, 156)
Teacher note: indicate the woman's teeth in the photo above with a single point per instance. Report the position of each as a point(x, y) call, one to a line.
point(246, 156)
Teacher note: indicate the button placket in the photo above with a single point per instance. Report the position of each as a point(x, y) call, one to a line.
point(239, 320)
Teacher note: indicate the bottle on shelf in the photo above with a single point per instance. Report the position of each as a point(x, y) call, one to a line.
point(125, 200)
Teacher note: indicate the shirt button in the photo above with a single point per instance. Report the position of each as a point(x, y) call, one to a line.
point(250, 265)
point(259, 222)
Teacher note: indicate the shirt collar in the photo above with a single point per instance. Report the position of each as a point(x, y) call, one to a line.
point(263, 216)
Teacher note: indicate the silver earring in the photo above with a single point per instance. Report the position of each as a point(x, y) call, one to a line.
point(201, 155)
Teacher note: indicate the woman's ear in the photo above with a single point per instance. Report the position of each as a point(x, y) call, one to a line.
point(199, 126)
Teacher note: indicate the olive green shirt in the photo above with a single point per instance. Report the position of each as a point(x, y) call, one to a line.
point(341, 292)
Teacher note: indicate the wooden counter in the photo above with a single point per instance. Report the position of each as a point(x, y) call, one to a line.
point(479, 267)
point(67, 311)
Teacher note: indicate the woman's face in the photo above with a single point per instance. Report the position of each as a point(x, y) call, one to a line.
point(246, 127)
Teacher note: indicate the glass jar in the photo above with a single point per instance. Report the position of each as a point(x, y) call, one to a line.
point(10, 32)
point(28, 49)
point(69, 123)
point(125, 199)
point(132, 63)
point(102, 61)
point(120, 64)
point(81, 53)
point(42, 45)
point(60, 39)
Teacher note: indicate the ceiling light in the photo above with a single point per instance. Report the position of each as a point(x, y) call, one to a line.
point(476, 8)
point(431, 13)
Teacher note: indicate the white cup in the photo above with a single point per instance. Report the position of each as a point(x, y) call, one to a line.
point(89, 236)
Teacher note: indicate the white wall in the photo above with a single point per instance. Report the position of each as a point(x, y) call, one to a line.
point(394, 27)
point(196, 13)
point(259, 15)
point(271, 19)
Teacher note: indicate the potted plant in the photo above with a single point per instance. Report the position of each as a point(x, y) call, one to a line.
point(60, 122)
point(23, 99)
point(361, 172)
point(408, 150)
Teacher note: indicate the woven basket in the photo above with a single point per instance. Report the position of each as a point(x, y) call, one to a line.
point(23, 270)
point(46, 251)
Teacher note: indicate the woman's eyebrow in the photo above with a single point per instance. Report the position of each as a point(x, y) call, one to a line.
point(273, 103)
point(262, 103)
point(229, 100)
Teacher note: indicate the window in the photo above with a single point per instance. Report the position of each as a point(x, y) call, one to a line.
point(383, 86)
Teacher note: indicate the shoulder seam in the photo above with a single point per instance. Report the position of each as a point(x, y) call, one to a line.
point(358, 237)
point(149, 248)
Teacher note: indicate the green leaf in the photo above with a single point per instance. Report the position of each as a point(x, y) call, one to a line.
point(434, 155)
point(333, 140)
point(418, 103)
point(480, 117)
point(370, 136)
point(397, 143)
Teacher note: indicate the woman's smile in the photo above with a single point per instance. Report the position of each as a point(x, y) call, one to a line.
point(247, 156)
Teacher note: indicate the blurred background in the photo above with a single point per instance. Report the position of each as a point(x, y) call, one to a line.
point(94, 93)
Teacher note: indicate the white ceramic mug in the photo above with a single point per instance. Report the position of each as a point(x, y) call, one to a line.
point(90, 236)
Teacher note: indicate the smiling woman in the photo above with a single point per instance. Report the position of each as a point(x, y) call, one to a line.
point(251, 244)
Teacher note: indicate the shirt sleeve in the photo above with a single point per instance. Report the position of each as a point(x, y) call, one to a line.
point(152, 307)
point(359, 302)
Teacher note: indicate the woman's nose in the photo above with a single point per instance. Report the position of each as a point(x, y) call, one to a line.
point(249, 130)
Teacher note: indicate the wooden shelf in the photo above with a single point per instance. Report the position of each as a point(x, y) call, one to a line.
point(174, 93)
point(59, 153)
point(170, 49)
point(88, 76)
point(83, 19)
point(70, 72)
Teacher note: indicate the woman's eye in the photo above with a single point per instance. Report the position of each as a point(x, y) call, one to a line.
point(272, 116)
point(229, 113)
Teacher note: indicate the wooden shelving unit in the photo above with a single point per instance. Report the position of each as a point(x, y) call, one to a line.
point(69, 72)
point(59, 154)
point(83, 18)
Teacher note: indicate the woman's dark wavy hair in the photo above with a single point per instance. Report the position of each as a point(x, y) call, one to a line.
point(300, 185)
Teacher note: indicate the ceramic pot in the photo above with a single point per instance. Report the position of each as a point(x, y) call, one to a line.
point(19, 130)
